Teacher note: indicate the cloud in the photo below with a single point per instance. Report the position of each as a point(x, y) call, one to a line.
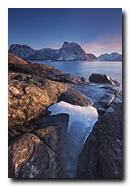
point(104, 43)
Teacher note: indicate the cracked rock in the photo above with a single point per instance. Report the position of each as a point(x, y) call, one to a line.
point(35, 154)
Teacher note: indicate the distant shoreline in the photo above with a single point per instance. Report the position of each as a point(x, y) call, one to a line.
point(49, 60)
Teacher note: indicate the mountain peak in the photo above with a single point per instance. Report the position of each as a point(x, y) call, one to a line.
point(67, 44)
point(72, 51)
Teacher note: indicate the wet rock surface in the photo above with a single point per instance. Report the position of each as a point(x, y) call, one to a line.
point(37, 141)
point(102, 153)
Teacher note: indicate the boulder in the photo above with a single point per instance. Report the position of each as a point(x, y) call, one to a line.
point(30, 99)
point(68, 78)
point(74, 99)
point(103, 79)
point(29, 157)
point(102, 153)
point(30, 93)
point(39, 154)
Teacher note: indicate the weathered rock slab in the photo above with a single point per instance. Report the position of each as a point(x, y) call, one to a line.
point(68, 78)
point(74, 99)
point(39, 153)
point(102, 153)
point(28, 100)
point(29, 157)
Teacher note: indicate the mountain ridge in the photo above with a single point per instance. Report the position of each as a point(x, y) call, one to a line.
point(68, 52)
point(110, 57)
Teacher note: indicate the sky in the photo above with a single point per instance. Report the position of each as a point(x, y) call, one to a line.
point(96, 30)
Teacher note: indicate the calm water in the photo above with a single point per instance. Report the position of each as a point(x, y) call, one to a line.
point(85, 69)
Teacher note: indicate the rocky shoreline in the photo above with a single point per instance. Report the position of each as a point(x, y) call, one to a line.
point(37, 141)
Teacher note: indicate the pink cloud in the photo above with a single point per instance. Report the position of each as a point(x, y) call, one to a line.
point(107, 43)
point(103, 43)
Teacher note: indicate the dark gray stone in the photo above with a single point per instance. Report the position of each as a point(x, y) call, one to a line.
point(102, 78)
point(102, 153)
point(68, 78)
point(74, 99)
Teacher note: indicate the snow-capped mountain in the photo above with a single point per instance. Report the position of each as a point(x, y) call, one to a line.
point(68, 52)
point(22, 51)
point(72, 51)
point(44, 54)
point(110, 57)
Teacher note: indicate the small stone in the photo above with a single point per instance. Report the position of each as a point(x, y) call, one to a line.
point(14, 90)
point(30, 79)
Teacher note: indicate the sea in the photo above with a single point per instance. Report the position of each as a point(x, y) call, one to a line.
point(85, 68)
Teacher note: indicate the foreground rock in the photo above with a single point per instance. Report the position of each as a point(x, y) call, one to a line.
point(74, 99)
point(29, 94)
point(39, 154)
point(70, 78)
point(17, 64)
point(29, 99)
point(102, 154)
point(29, 157)
point(39, 145)
point(102, 78)
point(67, 78)
point(32, 88)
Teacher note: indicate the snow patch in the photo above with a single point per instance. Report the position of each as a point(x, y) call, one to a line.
point(81, 122)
